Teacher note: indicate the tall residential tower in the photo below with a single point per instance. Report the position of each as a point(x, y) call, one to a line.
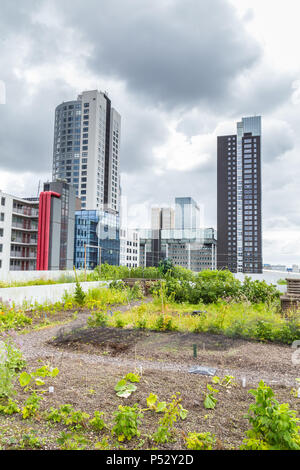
point(239, 198)
point(86, 149)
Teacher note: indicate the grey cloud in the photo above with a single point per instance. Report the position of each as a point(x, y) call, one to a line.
point(175, 53)
point(26, 131)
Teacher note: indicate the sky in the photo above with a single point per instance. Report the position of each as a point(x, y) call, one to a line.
point(180, 72)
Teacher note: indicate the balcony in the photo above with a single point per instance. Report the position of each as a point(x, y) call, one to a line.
point(23, 226)
point(26, 212)
point(20, 256)
point(23, 240)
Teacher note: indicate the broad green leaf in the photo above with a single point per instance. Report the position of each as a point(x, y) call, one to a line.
point(120, 385)
point(210, 402)
point(161, 406)
point(24, 379)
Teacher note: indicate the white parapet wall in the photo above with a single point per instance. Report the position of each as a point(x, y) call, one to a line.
point(24, 276)
point(270, 277)
point(41, 294)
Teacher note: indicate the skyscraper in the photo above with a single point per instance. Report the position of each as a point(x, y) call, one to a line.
point(86, 149)
point(239, 198)
point(187, 214)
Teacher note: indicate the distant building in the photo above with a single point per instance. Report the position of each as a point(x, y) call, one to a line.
point(275, 267)
point(18, 233)
point(129, 248)
point(57, 205)
point(239, 198)
point(97, 239)
point(187, 214)
point(191, 249)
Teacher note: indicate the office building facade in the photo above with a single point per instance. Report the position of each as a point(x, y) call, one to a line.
point(187, 214)
point(239, 198)
point(191, 249)
point(97, 239)
point(57, 205)
point(86, 153)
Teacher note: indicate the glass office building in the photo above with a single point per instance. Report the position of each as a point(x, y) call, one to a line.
point(97, 239)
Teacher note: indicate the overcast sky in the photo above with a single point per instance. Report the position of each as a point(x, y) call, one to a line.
point(180, 72)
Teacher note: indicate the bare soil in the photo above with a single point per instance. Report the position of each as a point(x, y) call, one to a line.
point(92, 361)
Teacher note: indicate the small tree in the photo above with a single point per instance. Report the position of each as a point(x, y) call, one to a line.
point(79, 295)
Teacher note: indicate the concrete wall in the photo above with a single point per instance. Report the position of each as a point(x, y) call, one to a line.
point(25, 276)
point(50, 293)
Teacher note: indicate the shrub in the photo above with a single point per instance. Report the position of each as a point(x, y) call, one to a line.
point(127, 420)
point(274, 425)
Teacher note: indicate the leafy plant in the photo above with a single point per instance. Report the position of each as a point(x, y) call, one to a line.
point(152, 404)
point(32, 406)
point(97, 422)
point(124, 389)
point(69, 441)
point(274, 425)
point(67, 415)
point(29, 380)
point(10, 408)
point(210, 400)
point(172, 412)
point(127, 420)
point(226, 382)
point(200, 441)
point(11, 361)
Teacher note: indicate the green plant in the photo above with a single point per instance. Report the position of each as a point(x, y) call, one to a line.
point(200, 441)
point(32, 406)
point(127, 420)
point(152, 403)
point(227, 381)
point(210, 400)
point(132, 377)
point(274, 425)
point(69, 441)
point(171, 412)
point(10, 408)
point(99, 318)
point(124, 389)
point(79, 295)
point(67, 415)
point(11, 361)
point(103, 445)
point(97, 422)
point(31, 440)
point(29, 380)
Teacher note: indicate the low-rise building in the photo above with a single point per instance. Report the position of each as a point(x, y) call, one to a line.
point(192, 249)
point(18, 233)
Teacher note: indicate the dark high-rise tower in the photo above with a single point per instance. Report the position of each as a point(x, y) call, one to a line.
point(239, 198)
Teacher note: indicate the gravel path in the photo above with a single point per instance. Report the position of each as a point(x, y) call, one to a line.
point(250, 360)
